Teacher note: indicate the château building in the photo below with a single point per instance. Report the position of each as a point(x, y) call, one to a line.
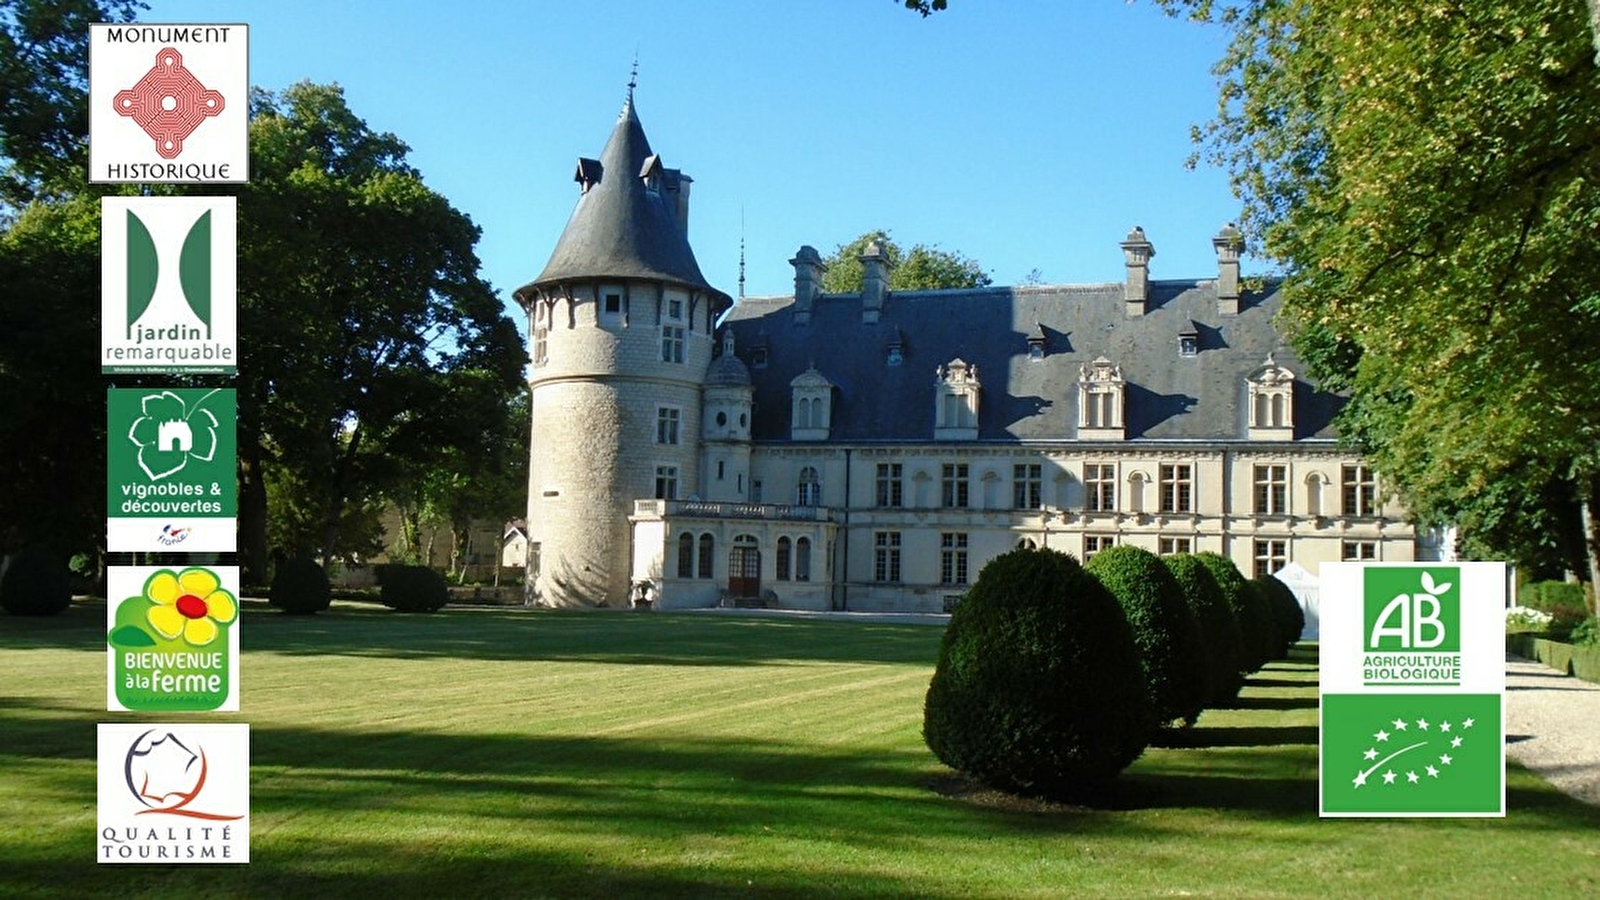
point(872, 451)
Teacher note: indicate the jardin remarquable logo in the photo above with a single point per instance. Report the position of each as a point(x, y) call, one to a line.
point(169, 279)
point(174, 638)
point(174, 793)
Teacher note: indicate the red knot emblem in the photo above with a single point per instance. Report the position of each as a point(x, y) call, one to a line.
point(169, 103)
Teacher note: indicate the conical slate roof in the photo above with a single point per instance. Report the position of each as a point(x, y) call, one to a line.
point(620, 228)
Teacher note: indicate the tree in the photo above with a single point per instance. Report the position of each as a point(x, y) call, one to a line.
point(1428, 176)
point(44, 84)
point(922, 268)
point(52, 447)
point(364, 323)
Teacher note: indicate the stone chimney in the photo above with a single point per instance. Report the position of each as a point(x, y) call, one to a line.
point(1136, 251)
point(874, 282)
point(808, 269)
point(1228, 242)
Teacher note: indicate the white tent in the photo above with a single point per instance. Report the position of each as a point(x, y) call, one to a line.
point(1306, 589)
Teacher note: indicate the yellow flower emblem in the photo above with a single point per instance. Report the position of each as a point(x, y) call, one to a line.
point(191, 603)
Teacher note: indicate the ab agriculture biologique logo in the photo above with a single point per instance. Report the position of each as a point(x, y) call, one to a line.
point(1413, 626)
point(1412, 683)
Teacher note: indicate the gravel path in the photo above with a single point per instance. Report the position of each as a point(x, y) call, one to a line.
point(1553, 726)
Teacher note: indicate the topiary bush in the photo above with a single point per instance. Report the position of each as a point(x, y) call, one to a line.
point(412, 588)
point(1170, 652)
point(1287, 615)
point(36, 584)
point(1255, 626)
point(1219, 629)
point(1038, 689)
point(300, 587)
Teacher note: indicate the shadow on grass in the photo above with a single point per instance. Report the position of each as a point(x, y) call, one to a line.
point(1248, 702)
point(622, 637)
point(1263, 736)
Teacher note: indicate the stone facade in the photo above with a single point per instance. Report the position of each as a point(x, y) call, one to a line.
point(872, 451)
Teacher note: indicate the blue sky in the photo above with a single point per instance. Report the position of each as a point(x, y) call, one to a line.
point(1023, 134)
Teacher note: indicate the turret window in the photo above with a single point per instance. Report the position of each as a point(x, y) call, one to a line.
point(672, 343)
point(666, 482)
point(541, 346)
point(667, 420)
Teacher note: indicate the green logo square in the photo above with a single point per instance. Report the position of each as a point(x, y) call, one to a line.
point(1411, 609)
point(171, 452)
point(1412, 754)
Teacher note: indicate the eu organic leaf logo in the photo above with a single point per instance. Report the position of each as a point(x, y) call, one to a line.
point(170, 433)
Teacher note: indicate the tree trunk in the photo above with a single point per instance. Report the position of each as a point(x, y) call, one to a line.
point(1594, 28)
point(1591, 524)
point(253, 558)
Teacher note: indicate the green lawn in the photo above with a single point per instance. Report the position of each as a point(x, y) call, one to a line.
point(497, 753)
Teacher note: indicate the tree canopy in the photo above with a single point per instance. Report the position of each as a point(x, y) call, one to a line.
point(1428, 176)
point(370, 348)
point(922, 268)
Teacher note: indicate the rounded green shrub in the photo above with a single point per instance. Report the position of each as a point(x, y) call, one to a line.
point(36, 584)
point(300, 587)
point(412, 588)
point(1164, 630)
point(1219, 629)
point(1038, 689)
point(1287, 615)
point(1248, 609)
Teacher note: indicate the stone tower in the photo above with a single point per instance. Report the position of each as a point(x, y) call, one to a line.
point(621, 321)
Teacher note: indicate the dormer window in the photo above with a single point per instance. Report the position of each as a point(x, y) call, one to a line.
point(957, 391)
point(1100, 400)
point(1036, 343)
point(1189, 341)
point(1271, 406)
point(812, 396)
point(588, 174)
point(651, 173)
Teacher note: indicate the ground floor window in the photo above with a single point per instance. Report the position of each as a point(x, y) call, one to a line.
point(1094, 543)
point(952, 559)
point(1271, 556)
point(886, 556)
point(802, 559)
point(1170, 546)
point(1358, 551)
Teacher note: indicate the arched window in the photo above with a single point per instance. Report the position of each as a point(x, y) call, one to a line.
point(707, 547)
point(1271, 389)
point(1100, 400)
point(686, 555)
point(809, 490)
point(956, 407)
point(781, 564)
point(812, 399)
point(802, 559)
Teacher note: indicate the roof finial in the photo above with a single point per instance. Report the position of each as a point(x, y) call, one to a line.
point(633, 75)
point(741, 253)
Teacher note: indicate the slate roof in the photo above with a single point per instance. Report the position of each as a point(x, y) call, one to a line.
point(1168, 396)
point(620, 229)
